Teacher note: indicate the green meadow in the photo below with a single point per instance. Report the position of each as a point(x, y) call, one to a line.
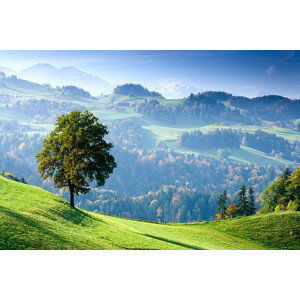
point(31, 218)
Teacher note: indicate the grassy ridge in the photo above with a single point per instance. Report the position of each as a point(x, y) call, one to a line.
point(31, 218)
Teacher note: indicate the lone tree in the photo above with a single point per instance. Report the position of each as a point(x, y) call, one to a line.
point(75, 153)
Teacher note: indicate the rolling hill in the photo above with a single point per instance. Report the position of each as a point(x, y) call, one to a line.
point(119, 107)
point(31, 218)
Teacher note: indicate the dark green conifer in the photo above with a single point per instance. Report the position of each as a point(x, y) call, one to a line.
point(286, 173)
point(222, 204)
point(242, 204)
point(251, 201)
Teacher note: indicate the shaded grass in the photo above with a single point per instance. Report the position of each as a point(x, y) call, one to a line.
point(174, 242)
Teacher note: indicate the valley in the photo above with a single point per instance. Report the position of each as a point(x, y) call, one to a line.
point(146, 129)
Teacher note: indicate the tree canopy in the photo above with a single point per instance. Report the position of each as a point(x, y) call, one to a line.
point(135, 90)
point(75, 153)
point(283, 194)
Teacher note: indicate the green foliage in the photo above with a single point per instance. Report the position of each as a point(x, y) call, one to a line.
point(273, 194)
point(74, 91)
point(222, 204)
point(242, 204)
point(286, 173)
point(31, 218)
point(75, 153)
point(293, 187)
point(292, 206)
point(218, 139)
point(169, 204)
point(244, 207)
point(283, 194)
point(12, 177)
point(279, 208)
point(250, 201)
point(135, 90)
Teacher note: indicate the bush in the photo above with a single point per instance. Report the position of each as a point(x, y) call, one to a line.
point(279, 208)
point(292, 206)
point(218, 216)
point(231, 211)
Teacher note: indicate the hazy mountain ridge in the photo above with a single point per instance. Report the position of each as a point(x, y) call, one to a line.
point(8, 71)
point(46, 73)
point(176, 91)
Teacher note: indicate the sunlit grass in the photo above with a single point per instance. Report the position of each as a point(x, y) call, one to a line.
point(31, 218)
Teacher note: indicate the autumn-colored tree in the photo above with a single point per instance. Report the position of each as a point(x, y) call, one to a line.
point(75, 153)
point(218, 216)
point(231, 211)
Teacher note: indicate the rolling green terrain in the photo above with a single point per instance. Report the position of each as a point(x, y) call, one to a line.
point(170, 134)
point(244, 155)
point(154, 130)
point(31, 218)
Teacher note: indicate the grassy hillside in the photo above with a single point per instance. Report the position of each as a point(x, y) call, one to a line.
point(170, 135)
point(31, 218)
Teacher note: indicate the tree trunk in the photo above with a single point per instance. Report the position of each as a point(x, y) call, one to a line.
point(72, 198)
point(71, 194)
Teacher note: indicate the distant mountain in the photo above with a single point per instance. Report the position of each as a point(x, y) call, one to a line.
point(176, 91)
point(7, 71)
point(46, 73)
point(24, 89)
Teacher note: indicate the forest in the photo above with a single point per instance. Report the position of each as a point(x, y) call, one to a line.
point(161, 174)
point(227, 138)
point(158, 167)
point(135, 90)
point(218, 139)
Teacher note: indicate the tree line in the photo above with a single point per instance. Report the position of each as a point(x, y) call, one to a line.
point(227, 138)
point(135, 90)
point(282, 194)
point(245, 204)
point(216, 139)
point(169, 204)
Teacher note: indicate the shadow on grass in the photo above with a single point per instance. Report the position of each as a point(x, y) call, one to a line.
point(173, 242)
point(73, 215)
point(32, 234)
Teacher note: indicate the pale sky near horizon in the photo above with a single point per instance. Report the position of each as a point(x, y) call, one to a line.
point(248, 73)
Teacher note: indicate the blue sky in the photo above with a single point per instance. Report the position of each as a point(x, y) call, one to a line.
point(248, 73)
